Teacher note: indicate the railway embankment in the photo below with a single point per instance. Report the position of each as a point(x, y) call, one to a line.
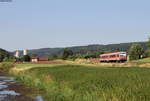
point(95, 62)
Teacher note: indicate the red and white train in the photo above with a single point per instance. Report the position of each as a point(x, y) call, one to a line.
point(114, 57)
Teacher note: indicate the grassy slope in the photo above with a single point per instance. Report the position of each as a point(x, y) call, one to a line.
point(145, 60)
point(87, 83)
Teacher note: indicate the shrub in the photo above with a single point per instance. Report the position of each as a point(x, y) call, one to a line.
point(67, 53)
point(135, 52)
point(26, 58)
point(147, 53)
point(6, 66)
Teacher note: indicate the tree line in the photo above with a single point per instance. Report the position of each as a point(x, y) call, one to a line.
point(135, 51)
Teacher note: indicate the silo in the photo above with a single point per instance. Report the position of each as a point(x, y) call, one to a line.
point(25, 52)
point(17, 54)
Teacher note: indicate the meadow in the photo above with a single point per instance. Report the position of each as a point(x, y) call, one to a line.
point(68, 82)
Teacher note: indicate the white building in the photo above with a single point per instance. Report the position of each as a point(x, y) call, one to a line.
point(17, 54)
point(25, 52)
point(34, 59)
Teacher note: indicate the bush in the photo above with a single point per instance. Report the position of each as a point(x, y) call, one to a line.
point(147, 53)
point(6, 66)
point(67, 53)
point(26, 58)
point(135, 52)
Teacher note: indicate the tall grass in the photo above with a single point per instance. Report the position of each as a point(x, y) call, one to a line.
point(6, 66)
point(82, 83)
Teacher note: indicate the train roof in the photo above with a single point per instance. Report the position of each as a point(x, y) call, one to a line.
point(113, 53)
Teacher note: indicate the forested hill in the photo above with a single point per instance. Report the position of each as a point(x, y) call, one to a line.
point(4, 54)
point(50, 52)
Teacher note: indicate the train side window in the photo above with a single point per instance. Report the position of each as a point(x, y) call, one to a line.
point(113, 56)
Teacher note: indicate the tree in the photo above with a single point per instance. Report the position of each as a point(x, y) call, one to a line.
point(67, 52)
point(3, 54)
point(148, 49)
point(26, 58)
point(135, 52)
point(53, 56)
point(148, 43)
point(117, 49)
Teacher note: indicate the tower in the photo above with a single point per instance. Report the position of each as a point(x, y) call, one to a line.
point(17, 54)
point(25, 52)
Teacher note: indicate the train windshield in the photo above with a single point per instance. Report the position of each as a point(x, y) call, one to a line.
point(122, 55)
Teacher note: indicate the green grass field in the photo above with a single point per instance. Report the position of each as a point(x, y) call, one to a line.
point(87, 83)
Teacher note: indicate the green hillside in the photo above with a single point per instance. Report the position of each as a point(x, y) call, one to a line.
point(4, 54)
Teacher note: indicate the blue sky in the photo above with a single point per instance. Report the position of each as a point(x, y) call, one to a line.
point(34, 24)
